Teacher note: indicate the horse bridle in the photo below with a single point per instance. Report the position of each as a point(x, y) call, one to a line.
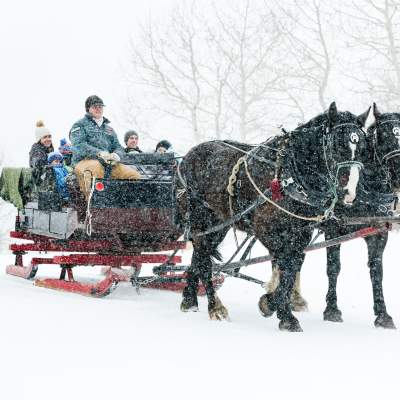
point(388, 156)
point(329, 145)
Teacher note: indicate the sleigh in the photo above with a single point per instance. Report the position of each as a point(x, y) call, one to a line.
point(123, 227)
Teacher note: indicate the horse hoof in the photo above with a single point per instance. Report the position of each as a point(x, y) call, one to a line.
point(333, 315)
point(190, 309)
point(385, 321)
point(263, 306)
point(219, 315)
point(291, 325)
point(189, 305)
point(218, 312)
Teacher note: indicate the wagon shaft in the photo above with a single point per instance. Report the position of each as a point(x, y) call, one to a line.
point(371, 220)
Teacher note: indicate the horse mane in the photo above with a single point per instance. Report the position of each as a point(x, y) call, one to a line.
point(240, 145)
point(314, 122)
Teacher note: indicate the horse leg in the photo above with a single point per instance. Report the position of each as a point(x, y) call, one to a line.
point(280, 300)
point(332, 312)
point(216, 309)
point(189, 300)
point(297, 302)
point(204, 248)
point(209, 248)
point(289, 266)
point(376, 245)
point(267, 309)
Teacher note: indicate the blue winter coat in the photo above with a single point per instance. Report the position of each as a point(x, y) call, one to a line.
point(88, 139)
point(60, 173)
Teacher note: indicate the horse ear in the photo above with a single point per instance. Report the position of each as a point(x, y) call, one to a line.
point(332, 113)
point(377, 113)
point(362, 118)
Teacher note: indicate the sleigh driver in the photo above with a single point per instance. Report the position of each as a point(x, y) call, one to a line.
point(95, 142)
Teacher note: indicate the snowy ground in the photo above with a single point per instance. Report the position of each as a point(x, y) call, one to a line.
point(55, 345)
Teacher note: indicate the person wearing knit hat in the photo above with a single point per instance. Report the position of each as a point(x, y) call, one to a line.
point(164, 146)
point(42, 133)
point(40, 149)
point(131, 139)
point(55, 160)
point(65, 147)
point(95, 144)
point(66, 150)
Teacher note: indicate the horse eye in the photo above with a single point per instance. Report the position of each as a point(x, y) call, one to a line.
point(354, 138)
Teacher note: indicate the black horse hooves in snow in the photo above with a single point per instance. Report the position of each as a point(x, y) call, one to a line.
point(291, 325)
point(380, 178)
point(333, 315)
point(264, 305)
point(223, 178)
point(384, 321)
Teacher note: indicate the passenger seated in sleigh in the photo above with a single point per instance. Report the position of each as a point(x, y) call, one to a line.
point(39, 151)
point(154, 165)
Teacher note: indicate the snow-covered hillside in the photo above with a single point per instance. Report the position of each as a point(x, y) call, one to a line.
point(56, 345)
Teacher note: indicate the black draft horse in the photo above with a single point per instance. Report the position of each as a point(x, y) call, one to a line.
point(381, 176)
point(221, 181)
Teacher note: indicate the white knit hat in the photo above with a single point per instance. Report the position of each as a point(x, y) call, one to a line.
point(41, 130)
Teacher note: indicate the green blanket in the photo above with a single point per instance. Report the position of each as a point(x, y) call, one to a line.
point(16, 185)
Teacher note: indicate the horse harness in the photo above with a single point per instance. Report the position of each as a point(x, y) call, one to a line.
point(284, 170)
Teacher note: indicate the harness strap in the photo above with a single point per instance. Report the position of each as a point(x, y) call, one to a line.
point(389, 120)
point(392, 154)
point(178, 171)
point(250, 153)
point(318, 218)
point(260, 200)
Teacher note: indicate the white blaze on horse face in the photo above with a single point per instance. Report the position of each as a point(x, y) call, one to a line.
point(354, 175)
point(352, 183)
point(354, 138)
point(396, 131)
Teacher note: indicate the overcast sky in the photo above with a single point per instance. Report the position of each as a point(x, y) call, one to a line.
point(56, 53)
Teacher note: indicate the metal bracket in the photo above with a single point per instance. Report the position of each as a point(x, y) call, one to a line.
point(287, 182)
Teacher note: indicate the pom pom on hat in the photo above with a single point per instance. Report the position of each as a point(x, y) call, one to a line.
point(65, 147)
point(54, 155)
point(41, 130)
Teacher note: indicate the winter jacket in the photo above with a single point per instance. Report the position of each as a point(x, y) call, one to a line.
point(60, 173)
point(38, 155)
point(38, 161)
point(178, 158)
point(88, 139)
point(135, 150)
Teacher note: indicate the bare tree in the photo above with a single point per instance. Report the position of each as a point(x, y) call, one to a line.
point(373, 31)
point(217, 71)
point(251, 41)
point(166, 69)
point(236, 69)
point(308, 28)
